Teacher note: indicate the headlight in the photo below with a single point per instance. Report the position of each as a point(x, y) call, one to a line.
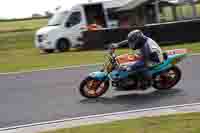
point(42, 37)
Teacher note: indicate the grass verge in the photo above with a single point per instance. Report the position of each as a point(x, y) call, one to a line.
point(16, 41)
point(28, 58)
point(182, 123)
point(14, 26)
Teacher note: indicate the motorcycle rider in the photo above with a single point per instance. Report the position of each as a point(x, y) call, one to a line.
point(147, 48)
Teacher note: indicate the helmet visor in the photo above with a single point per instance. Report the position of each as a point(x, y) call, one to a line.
point(134, 43)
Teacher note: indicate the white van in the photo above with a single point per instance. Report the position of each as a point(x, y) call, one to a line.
point(64, 29)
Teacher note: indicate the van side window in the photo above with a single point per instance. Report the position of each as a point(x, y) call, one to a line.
point(74, 19)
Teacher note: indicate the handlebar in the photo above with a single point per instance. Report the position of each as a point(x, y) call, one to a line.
point(119, 44)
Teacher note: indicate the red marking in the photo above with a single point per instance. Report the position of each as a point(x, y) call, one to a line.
point(177, 51)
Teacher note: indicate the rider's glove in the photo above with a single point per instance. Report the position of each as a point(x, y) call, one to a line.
point(113, 45)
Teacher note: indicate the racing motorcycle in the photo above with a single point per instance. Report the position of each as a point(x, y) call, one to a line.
point(114, 74)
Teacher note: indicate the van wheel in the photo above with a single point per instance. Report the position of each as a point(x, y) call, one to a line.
point(48, 50)
point(63, 45)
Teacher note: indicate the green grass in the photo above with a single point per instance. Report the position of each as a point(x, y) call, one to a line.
point(16, 40)
point(13, 26)
point(29, 58)
point(184, 123)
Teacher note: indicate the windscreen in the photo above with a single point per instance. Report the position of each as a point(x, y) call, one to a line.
point(57, 19)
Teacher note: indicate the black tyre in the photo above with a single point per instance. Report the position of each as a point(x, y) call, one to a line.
point(92, 88)
point(167, 79)
point(63, 45)
point(48, 50)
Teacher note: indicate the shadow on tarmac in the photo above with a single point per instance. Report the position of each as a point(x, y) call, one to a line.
point(133, 98)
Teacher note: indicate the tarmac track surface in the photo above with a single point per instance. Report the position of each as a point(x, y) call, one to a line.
point(52, 95)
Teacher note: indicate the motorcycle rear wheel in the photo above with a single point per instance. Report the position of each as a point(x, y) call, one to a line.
point(165, 80)
point(92, 88)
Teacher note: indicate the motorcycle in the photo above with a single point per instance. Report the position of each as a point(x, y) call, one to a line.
point(114, 74)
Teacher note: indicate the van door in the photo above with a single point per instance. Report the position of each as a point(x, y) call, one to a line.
point(95, 14)
point(74, 24)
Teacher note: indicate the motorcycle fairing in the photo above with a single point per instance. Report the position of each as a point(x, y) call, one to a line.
point(115, 74)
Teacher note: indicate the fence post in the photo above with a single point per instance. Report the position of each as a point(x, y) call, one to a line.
point(157, 11)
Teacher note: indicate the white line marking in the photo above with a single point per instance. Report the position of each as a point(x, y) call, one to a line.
point(98, 116)
point(60, 68)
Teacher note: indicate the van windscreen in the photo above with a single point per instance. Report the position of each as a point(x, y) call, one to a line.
point(57, 19)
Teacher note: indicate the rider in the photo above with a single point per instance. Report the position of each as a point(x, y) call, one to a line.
point(147, 48)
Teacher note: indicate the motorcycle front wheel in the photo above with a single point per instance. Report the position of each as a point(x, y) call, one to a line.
point(167, 79)
point(92, 88)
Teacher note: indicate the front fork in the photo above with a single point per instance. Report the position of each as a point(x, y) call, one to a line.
point(106, 77)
